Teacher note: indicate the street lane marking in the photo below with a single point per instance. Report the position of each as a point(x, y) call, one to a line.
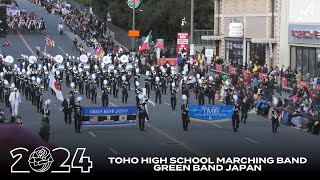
point(217, 126)
point(166, 103)
point(93, 135)
point(162, 132)
point(252, 140)
point(62, 50)
point(114, 151)
point(27, 45)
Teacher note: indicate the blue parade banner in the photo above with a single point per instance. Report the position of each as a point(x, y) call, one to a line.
point(210, 113)
point(109, 116)
point(109, 111)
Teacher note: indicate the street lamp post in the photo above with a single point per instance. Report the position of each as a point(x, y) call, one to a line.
point(133, 22)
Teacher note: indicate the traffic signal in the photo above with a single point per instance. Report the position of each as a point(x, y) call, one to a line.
point(3, 21)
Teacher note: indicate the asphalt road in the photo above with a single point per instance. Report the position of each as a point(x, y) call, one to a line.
point(164, 135)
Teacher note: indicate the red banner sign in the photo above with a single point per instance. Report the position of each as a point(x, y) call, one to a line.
point(219, 67)
point(171, 61)
point(262, 75)
point(304, 34)
point(245, 73)
point(232, 70)
point(160, 43)
point(284, 82)
point(182, 42)
point(302, 84)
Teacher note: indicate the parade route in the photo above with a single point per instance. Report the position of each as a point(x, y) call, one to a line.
point(163, 135)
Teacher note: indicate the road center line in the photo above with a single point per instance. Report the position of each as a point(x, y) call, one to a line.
point(93, 135)
point(27, 45)
point(217, 126)
point(114, 151)
point(62, 50)
point(187, 147)
point(252, 140)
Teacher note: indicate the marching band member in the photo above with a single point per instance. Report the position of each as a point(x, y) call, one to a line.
point(142, 113)
point(7, 94)
point(105, 98)
point(44, 132)
point(158, 94)
point(235, 117)
point(67, 109)
point(77, 115)
point(173, 96)
point(185, 113)
point(15, 100)
point(124, 92)
point(1, 91)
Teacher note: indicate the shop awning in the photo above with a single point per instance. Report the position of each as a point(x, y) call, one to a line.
point(212, 38)
point(264, 41)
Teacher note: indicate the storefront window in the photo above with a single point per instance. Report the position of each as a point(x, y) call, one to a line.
point(312, 61)
point(318, 63)
point(305, 57)
point(235, 50)
point(306, 60)
point(258, 53)
point(293, 58)
point(299, 58)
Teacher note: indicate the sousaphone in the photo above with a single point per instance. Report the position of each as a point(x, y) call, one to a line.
point(9, 59)
point(106, 60)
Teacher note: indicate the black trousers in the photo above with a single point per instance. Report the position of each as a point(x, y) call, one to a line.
point(94, 98)
point(173, 103)
point(1, 96)
point(87, 93)
point(235, 122)
point(142, 119)
point(244, 116)
point(37, 99)
point(67, 117)
point(148, 92)
point(81, 89)
point(158, 96)
point(164, 90)
point(124, 97)
point(105, 102)
point(77, 124)
point(211, 98)
point(6, 97)
point(185, 123)
point(201, 100)
point(26, 92)
point(275, 124)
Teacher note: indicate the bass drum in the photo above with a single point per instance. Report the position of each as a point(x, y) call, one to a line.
point(61, 67)
point(129, 66)
point(86, 67)
point(111, 67)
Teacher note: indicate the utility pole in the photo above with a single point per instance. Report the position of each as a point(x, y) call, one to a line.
point(192, 14)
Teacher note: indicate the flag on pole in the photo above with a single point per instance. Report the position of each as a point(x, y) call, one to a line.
point(100, 51)
point(56, 87)
point(147, 43)
point(6, 44)
point(49, 41)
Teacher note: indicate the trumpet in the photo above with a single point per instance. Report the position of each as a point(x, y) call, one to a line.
point(74, 91)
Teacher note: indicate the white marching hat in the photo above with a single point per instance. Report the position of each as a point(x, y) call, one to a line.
point(184, 97)
point(47, 102)
point(79, 99)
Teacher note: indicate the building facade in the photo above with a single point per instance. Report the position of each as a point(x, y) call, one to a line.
point(300, 36)
point(259, 39)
